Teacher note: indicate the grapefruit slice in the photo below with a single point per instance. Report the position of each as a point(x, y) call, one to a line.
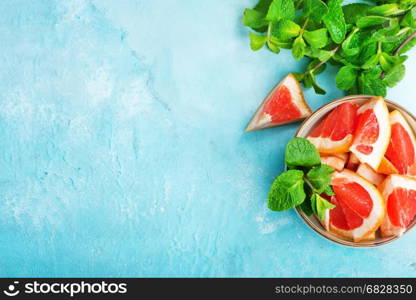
point(372, 134)
point(359, 206)
point(335, 132)
point(336, 161)
point(285, 104)
point(368, 173)
point(401, 150)
point(353, 162)
point(400, 194)
point(386, 167)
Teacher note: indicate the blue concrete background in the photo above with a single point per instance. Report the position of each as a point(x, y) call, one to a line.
point(123, 152)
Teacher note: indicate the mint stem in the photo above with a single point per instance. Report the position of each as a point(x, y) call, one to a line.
point(334, 51)
point(404, 43)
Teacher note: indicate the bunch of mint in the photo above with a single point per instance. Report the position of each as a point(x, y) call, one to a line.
point(304, 183)
point(367, 40)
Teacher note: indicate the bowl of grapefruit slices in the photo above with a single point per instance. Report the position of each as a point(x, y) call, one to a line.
point(371, 144)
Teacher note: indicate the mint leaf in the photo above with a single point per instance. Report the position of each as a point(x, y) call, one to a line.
point(346, 78)
point(315, 9)
point(317, 38)
point(254, 19)
point(263, 6)
point(320, 177)
point(257, 41)
point(384, 10)
point(287, 191)
point(335, 22)
point(281, 9)
point(409, 20)
point(372, 21)
point(354, 11)
point(299, 47)
point(395, 75)
point(285, 30)
point(300, 152)
point(370, 84)
point(371, 62)
point(321, 205)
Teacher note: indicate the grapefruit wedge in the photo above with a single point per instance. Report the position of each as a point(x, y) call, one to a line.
point(359, 207)
point(401, 150)
point(285, 104)
point(399, 193)
point(368, 173)
point(372, 134)
point(335, 161)
point(386, 167)
point(335, 132)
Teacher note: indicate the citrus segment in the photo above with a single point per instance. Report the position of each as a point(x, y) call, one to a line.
point(386, 167)
point(399, 193)
point(401, 150)
point(334, 133)
point(336, 162)
point(285, 104)
point(353, 162)
point(359, 207)
point(368, 173)
point(372, 133)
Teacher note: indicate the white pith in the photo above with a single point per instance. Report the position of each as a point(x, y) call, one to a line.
point(379, 147)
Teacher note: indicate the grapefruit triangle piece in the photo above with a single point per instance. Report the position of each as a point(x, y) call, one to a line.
point(386, 167)
point(399, 193)
point(401, 151)
point(372, 134)
point(359, 207)
point(285, 104)
point(368, 173)
point(334, 134)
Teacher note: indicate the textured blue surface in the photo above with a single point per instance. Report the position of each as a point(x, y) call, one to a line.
point(122, 150)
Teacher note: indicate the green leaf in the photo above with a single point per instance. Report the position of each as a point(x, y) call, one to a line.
point(354, 11)
point(351, 45)
point(387, 62)
point(335, 21)
point(254, 19)
point(306, 206)
point(312, 64)
point(281, 9)
point(263, 6)
point(301, 152)
point(317, 38)
point(408, 46)
point(321, 205)
point(346, 78)
point(395, 75)
point(299, 47)
point(372, 62)
point(372, 21)
point(316, 86)
point(369, 83)
point(328, 191)
point(384, 10)
point(315, 9)
point(273, 46)
point(285, 30)
point(320, 177)
point(409, 20)
point(257, 41)
point(287, 191)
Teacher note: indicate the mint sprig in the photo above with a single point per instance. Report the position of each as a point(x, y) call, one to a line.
point(304, 182)
point(367, 41)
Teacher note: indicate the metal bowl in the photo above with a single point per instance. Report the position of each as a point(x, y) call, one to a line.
point(304, 130)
